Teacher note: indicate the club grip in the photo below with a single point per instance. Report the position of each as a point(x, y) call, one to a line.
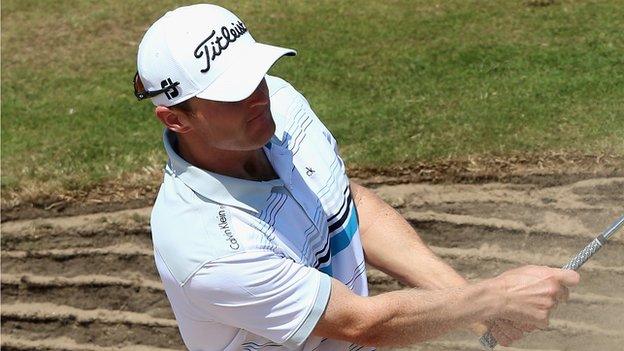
point(488, 341)
point(584, 255)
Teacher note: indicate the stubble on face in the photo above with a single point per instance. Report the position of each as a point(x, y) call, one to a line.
point(235, 126)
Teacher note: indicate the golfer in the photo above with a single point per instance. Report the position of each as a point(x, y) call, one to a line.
point(261, 240)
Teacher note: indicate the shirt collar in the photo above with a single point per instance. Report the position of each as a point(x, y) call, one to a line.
point(245, 194)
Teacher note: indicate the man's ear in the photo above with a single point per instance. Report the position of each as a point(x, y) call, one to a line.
point(174, 120)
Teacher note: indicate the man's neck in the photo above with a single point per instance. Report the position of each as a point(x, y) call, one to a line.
point(249, 164)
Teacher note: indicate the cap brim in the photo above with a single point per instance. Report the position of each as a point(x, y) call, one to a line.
point(244, 74)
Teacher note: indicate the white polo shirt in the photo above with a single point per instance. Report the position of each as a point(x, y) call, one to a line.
point(246, 265)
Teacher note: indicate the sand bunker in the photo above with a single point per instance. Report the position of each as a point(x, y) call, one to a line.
point(89, 283)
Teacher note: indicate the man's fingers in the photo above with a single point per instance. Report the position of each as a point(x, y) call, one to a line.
point(525, 327)
point(509, 329)
point(566, 277)
point(563, 294)
point(544, 320)
point(480, 328)
point(500, 336)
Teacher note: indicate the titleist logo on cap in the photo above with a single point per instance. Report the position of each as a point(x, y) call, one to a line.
point(219, 44)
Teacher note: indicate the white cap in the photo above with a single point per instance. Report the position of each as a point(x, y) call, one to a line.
point(208, 50)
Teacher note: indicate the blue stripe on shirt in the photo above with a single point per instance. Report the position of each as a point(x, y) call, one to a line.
point(341, 240)
point(327, 270)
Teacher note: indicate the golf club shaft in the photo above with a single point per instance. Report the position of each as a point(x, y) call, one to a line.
point(489, 342)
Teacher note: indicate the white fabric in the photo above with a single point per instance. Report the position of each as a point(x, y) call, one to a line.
point(247, 265)
point(249, 291)
point(208, 50)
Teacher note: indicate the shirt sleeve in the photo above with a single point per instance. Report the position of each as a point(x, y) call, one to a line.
point(263, 293)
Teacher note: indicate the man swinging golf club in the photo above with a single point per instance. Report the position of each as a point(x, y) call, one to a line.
point(259, 236)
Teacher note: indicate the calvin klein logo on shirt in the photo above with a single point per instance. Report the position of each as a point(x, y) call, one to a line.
point(225, 229)
point(219, 44)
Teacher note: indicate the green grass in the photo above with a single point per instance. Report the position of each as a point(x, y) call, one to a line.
point(396, 81)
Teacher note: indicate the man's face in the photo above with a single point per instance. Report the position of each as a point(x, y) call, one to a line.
point(241, 125)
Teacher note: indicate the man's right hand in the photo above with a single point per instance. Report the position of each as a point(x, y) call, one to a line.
point(530, 293)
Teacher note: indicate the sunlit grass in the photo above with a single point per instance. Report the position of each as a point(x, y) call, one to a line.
point(396, 82)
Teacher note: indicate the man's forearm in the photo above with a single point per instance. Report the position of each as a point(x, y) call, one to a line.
point(411, 316)
point(393, 246)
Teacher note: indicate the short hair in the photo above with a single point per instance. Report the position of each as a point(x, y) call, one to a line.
point(184, 106)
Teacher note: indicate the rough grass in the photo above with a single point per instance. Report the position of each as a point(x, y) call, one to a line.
point(398, 82)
